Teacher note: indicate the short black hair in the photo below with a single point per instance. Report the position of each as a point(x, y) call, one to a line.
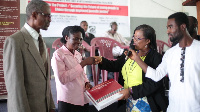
point(148, 33)
point(82, 22)
point(194, 19)
point(180, 18)
point(71, 30)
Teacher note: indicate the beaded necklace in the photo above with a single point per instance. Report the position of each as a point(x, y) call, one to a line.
point(131, 67)
point(142, 57)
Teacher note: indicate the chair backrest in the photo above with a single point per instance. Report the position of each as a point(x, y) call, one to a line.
point(160, 46)
point(57, 44)
point(86, 45)
point(169, 42)
point(105, 46)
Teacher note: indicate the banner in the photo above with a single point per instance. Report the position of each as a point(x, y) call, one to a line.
point(98, 14)
point(9, 24)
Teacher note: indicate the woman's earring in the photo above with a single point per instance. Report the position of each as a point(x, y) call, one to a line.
point(145, 46)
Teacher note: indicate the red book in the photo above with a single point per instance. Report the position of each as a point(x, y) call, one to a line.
point(104, 94)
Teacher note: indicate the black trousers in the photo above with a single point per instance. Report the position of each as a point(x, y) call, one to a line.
point(67, 107)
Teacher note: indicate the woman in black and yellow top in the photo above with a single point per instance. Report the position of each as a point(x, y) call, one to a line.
point(144, 91)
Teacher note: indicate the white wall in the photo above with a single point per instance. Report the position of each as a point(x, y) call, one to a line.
point(147, 8)
point(23, 4)
point(159, 8)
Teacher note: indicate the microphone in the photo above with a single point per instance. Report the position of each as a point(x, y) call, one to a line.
point(132, 46)
point(128, 54)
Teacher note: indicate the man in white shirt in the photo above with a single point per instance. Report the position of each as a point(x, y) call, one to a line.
point(112, 33)
point(182, 65)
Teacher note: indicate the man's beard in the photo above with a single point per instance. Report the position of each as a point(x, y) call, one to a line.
point(176, 39)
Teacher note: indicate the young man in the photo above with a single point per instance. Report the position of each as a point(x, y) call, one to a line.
point(26, 65)
point(182, 65)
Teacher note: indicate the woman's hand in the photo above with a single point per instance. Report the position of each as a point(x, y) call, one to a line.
point(126, 52)
point(88, 86)
point(133, 55)
point(88, 61)
point(98, 59)
point(125, 95)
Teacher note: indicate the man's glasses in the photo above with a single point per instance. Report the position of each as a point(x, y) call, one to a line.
point(45, 15)
point(182, 64)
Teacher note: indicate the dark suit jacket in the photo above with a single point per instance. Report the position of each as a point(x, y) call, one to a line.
point(27, 81)
point(154, 91)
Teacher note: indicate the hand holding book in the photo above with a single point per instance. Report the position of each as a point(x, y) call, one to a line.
point(88, 86)
point(104, 94)
point(126, 94)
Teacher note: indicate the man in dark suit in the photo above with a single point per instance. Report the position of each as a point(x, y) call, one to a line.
point(88, 37)
point(26, 65)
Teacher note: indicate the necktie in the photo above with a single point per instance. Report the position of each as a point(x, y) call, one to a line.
point(41, 45)
point(42, 51)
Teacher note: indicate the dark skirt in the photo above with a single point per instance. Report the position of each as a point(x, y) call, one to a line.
point(67, 107)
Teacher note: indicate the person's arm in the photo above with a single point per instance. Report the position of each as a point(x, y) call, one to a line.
point(64, 69)
point(142, 90)
point(123, 40)
point(139, 61)
point(14, 76)
point(155, 74)
point(146, 88)
point(52, 105)
point(87, 61)
point(112, 66)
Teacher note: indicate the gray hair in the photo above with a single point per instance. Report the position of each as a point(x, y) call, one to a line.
point(35, 6)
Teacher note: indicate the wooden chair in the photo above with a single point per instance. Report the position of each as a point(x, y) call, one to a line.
point(105, 46)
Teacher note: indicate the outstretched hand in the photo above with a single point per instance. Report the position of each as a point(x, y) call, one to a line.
point(98, 59)
point(125, 95)
point(91, 60)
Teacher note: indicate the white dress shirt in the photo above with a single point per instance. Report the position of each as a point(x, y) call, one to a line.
point(117, 51)
point(35, 36)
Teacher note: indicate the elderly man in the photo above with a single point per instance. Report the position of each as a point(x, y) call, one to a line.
point(26, 66)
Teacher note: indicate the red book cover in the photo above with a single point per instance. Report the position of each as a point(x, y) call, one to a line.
point(104, 90)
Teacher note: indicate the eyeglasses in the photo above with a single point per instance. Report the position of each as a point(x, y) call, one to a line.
point(137, 39)
point(182, 64)
point(45, 15)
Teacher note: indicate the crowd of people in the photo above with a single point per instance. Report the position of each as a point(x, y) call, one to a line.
point(26, 66)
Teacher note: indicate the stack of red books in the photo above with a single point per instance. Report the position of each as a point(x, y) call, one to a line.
point(104, 94)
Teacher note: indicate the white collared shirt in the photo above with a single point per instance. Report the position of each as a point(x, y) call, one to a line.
point(33, 34)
